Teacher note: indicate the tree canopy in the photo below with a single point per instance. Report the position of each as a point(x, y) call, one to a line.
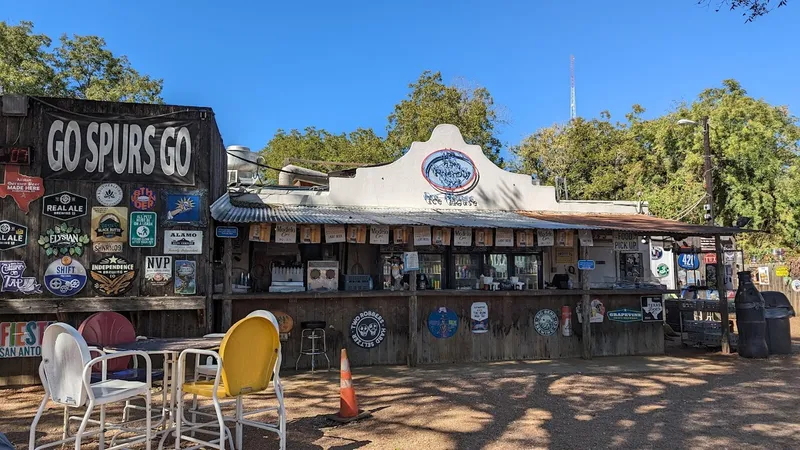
point(79, 67)
point(430, 102)
point(754, 145)
point(751, 9)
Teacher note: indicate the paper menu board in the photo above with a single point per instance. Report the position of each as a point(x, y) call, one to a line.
point(546, 238)
point(379, 234)
point(525, 238)
point(357, 234)
point(422, 235)
point(260, 232)
point(334, 233)
point(585, 238)
point(310, 234)
point(462, 237)
point(564, 238)
point(441, 236)
point(483, 237)
point(504, 237)
point(285, 233)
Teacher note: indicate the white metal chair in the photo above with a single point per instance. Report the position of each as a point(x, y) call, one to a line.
point(66, 370)
point(248, 358)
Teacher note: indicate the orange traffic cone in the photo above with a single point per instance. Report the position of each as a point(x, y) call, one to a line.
point(348, 405)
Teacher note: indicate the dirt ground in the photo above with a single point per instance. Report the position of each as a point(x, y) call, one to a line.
point(691, 399)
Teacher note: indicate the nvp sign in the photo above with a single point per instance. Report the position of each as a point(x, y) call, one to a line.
point(20, 339)
point(160, 150)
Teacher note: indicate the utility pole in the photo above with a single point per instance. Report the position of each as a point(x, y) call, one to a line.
point(708, 179)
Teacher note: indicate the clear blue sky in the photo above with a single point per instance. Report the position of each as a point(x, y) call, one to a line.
point(340, 65)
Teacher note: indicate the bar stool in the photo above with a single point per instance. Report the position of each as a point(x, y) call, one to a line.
point(310, 333)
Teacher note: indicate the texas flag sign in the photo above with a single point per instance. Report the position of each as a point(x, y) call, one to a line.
point(22, 188)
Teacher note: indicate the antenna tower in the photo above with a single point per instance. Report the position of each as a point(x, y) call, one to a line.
point(572, 109)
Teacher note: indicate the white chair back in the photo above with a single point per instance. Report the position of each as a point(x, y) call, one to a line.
point(267, 315)
point(64, 355)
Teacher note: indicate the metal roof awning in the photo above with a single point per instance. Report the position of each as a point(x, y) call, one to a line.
point(638, 223)
point(223, 210)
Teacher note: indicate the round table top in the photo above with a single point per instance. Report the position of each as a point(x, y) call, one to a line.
point(174, 345)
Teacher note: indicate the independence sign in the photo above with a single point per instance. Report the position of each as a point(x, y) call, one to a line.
point(161, 150)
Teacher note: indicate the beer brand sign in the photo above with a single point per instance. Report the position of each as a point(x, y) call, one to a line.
point(64, 205)
point(22, 188)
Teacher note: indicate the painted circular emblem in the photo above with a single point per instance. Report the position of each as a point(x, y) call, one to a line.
point(368, 329)
point(143, 199)
point(443, 322)
point(65, 277)
point(109, 194)
point(545, 322)
point(662, 270)
point(450, 172)
point(5, 228)
point(285, 321)
point(656, 253)
point(796, 285)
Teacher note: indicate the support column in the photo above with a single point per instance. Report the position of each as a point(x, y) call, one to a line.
point(413, 308)
point(227, 288)
point(723, 297)
point(586, 308)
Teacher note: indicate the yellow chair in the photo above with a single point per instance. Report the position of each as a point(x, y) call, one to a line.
point(245, 365)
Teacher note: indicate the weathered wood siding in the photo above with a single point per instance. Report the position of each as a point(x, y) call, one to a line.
point(511, 333)
point(155, 311)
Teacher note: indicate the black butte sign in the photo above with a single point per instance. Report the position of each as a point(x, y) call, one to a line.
point(160, 150)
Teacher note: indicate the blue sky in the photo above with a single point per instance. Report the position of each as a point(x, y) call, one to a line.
point(342, 65)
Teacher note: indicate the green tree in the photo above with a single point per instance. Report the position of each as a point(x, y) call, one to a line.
point(431, 102)
point(755, 151)
point(80, 67)
point(751, 9)
point(362, 146)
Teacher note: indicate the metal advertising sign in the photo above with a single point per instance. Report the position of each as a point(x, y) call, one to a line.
point(12, 235)
point(64, 205)
point(227, 232)
point(652, 308)
point(625, 315)
point(183, 242)
point(107, 247)
point(443, 322)
point(597, 313)
point(112, 275)
point(662, 270)
point(184, 207)
point(185, 277)
point(64, 239)
point(109, 194)
point(14, 281)
point(22, 188)
point(21, 339)
point(367, 329)
point(479, 313)
point(65, 277)
point(158, 270)
point(159, 149)
point(109, 224)
point(689, 261)
point(545, 322)
point(143, 229)
point(586, 264)
point(143, 199)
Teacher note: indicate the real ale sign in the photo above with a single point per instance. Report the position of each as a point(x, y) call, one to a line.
point(20, 339)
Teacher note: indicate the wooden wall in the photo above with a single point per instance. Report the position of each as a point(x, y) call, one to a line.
point(156, 311)
point(511, 333)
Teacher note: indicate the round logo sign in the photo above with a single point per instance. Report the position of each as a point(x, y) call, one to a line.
point(450, 172)
point(656, 253)
point(545, 322)
point(285, 321)
point(443, 322)
point(143, 199)
point(109, 194)
point(796, 285)
point(367, 329)
point(662, 270)
point(65, 277)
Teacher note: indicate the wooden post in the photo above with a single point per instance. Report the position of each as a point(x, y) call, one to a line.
point(586, 308)
point(723, 297)
point(413, 308)
point(227, 289)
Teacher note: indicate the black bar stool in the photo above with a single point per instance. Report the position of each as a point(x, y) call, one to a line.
point(311, 332)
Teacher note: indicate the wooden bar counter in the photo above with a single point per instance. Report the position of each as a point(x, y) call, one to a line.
point(511, 334)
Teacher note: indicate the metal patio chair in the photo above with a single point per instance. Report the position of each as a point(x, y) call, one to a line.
point(65, 371)
point(247, 359)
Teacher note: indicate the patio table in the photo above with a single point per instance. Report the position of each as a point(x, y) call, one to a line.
point(171, 349)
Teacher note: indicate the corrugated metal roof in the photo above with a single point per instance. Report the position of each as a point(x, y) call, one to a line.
point(639, 223)
point(223, 210)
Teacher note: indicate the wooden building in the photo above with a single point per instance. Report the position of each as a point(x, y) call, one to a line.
point(100, 202)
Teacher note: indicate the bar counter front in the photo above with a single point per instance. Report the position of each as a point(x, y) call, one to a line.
point(509, 333)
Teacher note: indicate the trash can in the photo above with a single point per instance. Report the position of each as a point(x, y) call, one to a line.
point(750, 319)
point(777, 312)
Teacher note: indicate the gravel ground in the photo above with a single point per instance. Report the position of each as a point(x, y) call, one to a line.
point(689, 399)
